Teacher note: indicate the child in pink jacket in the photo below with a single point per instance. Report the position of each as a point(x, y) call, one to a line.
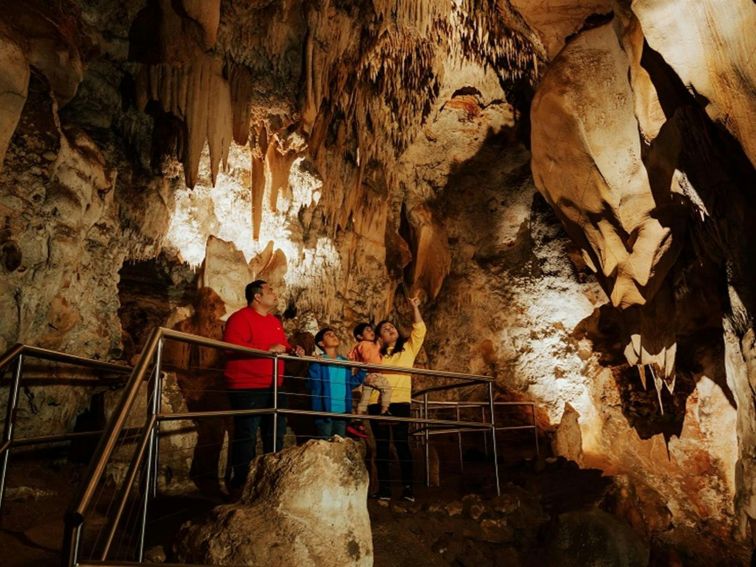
point(368, 350)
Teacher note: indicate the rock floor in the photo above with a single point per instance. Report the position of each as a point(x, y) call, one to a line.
point(463, 523)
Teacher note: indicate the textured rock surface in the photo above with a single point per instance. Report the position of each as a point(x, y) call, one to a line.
point(302, 506)
point(710, 55)
point(596, 538)
point(382, 149)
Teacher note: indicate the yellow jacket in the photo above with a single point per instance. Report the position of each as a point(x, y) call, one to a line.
point(401, 384)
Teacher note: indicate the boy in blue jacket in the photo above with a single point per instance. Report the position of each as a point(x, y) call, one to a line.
point(331, 386)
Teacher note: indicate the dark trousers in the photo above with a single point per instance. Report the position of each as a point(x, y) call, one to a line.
point(327, 427)
point(383, 436)
point(244, 442)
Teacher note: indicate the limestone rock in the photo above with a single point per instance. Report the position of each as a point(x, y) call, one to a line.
point(303, 506)
point(596, 538)
point(14, 83)
point(568, 440)
point(555, 20)
point(711, 55)
point(587, 179)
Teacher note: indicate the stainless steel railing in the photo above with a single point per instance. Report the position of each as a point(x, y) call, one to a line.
point(20, 354)
point(424, 406)
point(148, 368)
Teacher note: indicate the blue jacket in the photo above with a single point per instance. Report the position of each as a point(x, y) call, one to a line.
point(320, 379)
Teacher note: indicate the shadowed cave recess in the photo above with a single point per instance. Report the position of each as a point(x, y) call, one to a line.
point(568, 187)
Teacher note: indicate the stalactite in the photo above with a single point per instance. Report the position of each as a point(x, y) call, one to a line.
point(279, 162)
point(431, 251)
point(259, 148)
point(199, 95)
point(241, 94)
point(207, 14)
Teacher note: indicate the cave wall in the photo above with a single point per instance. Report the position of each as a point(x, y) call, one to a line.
point(638, 135)
point(354, 153)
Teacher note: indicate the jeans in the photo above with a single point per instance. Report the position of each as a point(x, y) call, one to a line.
point(327, 427)
point(244, 442)
point(383, 434)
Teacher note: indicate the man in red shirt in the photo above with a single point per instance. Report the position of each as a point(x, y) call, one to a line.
point(250, 380)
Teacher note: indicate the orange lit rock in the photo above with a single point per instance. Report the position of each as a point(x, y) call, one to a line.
point(432, 258)
point(207, 14)
point(14, 82)
point(555, 20)
point(598, 183)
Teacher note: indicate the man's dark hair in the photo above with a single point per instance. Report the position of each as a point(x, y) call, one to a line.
point(359, 330)
point(321, 334)
point(253, 289)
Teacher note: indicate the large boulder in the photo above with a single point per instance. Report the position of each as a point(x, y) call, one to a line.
point(303, 506)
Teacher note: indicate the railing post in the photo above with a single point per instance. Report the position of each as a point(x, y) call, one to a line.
point(493, 437)
point(427, 440)
point(535, 431)
point(150, 477)
point(10, 419)
point(485, 433)
point(69, 556)
point(459, 442)
point(145, 504)
point(157, 408)
point(275, 403)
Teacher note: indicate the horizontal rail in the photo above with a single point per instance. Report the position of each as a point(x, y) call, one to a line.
point(42, 439)
point(109, 563)
point(287, 411)
point(444, 387)
point(203, 341)
point(469, 403)
point(469, 430)
point(56, 356)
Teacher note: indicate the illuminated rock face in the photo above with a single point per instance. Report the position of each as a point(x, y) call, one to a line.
point(640, 175)
point(355, 153)
point(306, 505)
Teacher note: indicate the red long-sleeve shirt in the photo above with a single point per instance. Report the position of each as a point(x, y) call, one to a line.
point(248, 328)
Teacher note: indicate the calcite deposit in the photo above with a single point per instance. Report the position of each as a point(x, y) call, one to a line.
point(567, 186)
point(305, 505)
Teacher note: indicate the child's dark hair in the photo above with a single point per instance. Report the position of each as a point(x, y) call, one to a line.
point(359, 330)
point(321, 334)
point(398, 347)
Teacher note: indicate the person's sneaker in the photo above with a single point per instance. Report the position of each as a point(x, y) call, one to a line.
point(408, 494)
point(357, 429)
point(387, 412)
point(380, 495)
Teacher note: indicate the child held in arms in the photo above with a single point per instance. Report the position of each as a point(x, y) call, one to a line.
point(331, 386)
point(368, 350)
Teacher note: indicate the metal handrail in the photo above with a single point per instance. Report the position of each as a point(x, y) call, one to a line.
point(18, 353)
point(57, 356)
point(153, 348)
point(204, 341)
point(429, 405)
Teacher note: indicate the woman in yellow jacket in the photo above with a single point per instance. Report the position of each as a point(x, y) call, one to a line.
point(397, 351)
